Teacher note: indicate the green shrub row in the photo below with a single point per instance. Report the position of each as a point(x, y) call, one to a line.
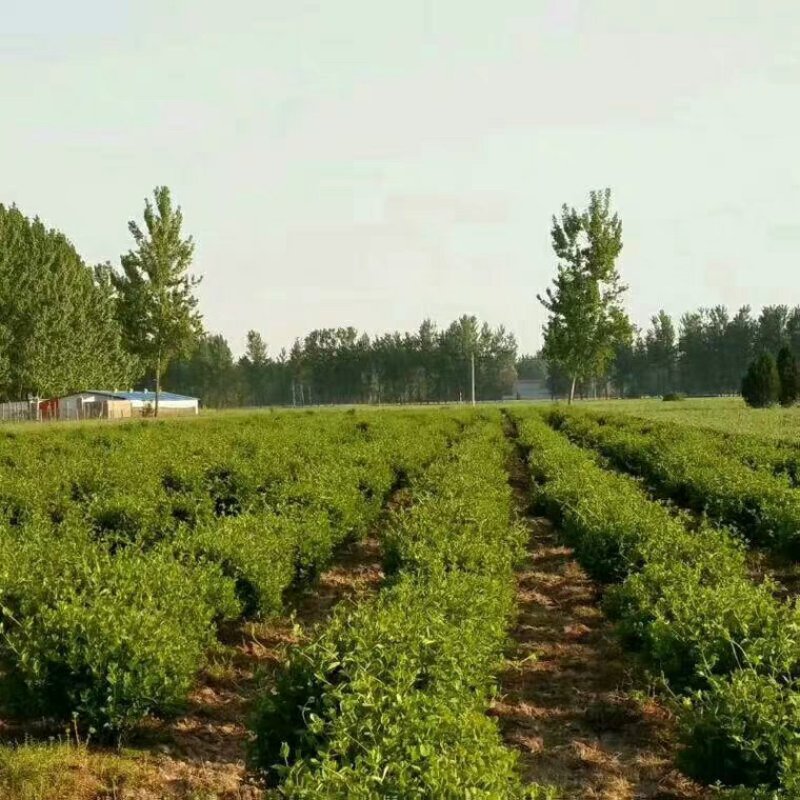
point(685, 465)
point(778, 457)
point(390, 700)
point(263, 553)
point(110, 628)
point(683, 599)
point(144, 481)
point(105, 638)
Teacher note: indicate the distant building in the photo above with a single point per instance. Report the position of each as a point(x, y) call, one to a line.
point(101, 404)
point(530, 389)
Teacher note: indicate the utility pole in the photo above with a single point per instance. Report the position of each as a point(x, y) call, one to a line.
point(472, 376)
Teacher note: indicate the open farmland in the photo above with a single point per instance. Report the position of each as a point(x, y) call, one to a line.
point(537, 601)
point(726, 414)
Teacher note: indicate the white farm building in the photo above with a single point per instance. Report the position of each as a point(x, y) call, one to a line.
point(529, 389)
point(101, 404)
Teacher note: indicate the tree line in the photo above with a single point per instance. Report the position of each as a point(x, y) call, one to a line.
point(707, 353)
point(343, 365)
point(58, 327)
point(68, 326)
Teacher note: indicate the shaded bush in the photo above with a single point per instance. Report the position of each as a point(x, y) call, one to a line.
point(761, 385)
point(742, 731)
point(259, 552)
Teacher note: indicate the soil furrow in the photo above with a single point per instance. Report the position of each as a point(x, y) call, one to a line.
point(569, 700)
point(203, 752)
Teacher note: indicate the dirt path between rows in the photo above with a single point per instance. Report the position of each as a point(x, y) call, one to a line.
point(202, 753)
point(569, 703)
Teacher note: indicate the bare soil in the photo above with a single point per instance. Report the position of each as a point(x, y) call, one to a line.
point(202, 754)
point(572, 701)
point(781, 569)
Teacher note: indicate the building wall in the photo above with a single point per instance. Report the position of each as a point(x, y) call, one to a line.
point(529, 389)
point(96, 405)
point(166, 408)
point(88, 406)
point(117, 409)
point(69, 407)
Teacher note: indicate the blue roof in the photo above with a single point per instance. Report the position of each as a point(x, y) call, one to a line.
point(151, 396)
point(141, 396)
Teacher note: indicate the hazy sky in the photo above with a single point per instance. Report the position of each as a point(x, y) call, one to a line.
point(372, 163)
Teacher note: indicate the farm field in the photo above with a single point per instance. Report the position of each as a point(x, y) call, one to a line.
point(538, 601)
point(727, 414)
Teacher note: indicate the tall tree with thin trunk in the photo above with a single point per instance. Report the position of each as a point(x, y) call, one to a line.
point(254, 365)
point(789, 377)
point(155, 296)
point(661, 352)
point(587, 321)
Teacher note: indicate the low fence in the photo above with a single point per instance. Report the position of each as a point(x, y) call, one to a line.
point(77, 409)
point(19, 411)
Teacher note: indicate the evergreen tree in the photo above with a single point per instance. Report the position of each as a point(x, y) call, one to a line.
point(738, 348)
point(208, 372)
point(716, 323)
point(661, 352)
point(761, 384)
point(624, 368)
point(532, 367)
point(254, 365)
point(695, 353)
point(793, 331)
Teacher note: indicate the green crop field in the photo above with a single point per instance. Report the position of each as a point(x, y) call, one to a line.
point(355, 603)
point(729, 414)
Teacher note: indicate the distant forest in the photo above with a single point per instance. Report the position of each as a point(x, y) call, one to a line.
point(707, 353)
point(66, 326)
point(341, 365)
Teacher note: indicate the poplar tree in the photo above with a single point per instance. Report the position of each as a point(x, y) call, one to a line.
point(156, 303)
point(254, 365)
point(587, 322)
point(58, 333)
point(789, 377)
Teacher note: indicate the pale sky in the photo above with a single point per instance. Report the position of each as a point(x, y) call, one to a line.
point(371, 163)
